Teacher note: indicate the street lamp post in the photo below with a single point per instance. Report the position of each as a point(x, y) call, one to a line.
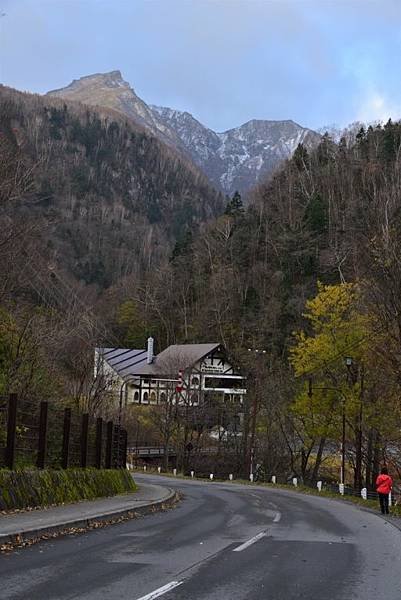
point(354, 373)
point(348, 364)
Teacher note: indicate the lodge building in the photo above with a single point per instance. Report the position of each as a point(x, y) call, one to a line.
point(184, 374)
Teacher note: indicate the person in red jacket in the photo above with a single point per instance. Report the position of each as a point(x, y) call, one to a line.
point(384, 485)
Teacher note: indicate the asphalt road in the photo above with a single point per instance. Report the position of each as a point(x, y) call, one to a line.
point(223, 542)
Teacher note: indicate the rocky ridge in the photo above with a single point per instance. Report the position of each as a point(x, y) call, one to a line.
point(236, 159)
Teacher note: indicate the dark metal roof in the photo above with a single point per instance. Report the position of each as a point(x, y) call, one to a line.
point(176, 357)
point(125, 361)
point(128, 362)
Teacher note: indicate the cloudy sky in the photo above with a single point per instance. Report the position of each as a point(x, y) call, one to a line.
point(317, 62)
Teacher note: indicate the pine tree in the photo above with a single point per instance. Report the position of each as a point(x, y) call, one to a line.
point(301, 157)
point(234, 207)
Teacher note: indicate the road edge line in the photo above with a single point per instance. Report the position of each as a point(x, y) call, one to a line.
point(162, 590)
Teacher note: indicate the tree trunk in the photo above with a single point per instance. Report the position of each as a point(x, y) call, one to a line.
point(318, 461)
point(369, 461)
point(376, 459)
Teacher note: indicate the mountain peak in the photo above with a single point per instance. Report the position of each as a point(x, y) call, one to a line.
point(110, 90)
point(236, 159)
point(112, 79)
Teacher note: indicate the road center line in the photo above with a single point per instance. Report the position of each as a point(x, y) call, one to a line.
point(250, 542)
point(277, 517)
point(161, 591)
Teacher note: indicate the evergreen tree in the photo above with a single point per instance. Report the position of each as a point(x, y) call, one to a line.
point(183, 245)
point(316, 214)
point(234, 207)
point(301, 157)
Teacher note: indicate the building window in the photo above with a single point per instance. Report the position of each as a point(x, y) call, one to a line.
point(163, 397)
point(145, 398)
point(136, 397)
point(153, 398)
point(194, 398)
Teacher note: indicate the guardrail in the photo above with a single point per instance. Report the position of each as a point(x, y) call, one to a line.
point(148, 451)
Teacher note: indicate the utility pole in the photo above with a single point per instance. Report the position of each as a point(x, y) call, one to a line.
point(342, 478)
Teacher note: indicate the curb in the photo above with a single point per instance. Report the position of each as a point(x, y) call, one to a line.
point(31, 536)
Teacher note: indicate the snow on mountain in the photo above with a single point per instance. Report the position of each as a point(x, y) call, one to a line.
point(236, 159)
point(239, 158)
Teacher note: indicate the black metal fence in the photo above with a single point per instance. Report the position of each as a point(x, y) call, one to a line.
point(47, 435)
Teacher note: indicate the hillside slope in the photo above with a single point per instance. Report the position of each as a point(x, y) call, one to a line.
point(112, 198)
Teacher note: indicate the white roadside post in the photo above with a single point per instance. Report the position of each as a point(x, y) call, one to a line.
point(144, 467)
point(364, 493)
point(192, 474)
point(174, 472)
point(273, 479)
point(159, 469)
point(295, 481)
point(251, 477)
point(390, 500)
point(211, 476)
point(319, 486)
point(341, 488)
point(230, 477)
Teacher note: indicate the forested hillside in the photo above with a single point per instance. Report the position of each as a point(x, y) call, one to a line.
point(331, 216)
point(112, 197)
point(107, 237)
point(246, 276)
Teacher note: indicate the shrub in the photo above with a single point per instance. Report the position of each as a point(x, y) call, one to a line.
point(36, 488)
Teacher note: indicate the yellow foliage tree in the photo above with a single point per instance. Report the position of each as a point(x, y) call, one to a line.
point(338, 328)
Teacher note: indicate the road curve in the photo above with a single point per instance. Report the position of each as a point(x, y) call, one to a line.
point(223, 542)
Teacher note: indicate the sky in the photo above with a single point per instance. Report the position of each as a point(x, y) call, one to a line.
point(318, 62)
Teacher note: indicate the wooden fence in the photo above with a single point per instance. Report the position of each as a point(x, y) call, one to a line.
point(46, 435)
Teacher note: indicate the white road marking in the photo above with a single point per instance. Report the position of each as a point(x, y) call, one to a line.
point(161, 591)
point(250, 542)
point(277, 517)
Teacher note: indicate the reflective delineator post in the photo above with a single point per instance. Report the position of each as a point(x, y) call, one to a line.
point(192, 474)
point(211, 476)
point(341, 488)
point(251, 477)
point(230, 477)
point(295, 481)
point(390, 500)
point(319, 486)
point(273, 479)
point(159, 469)
point(364, 493)
point(144, 467)
point(174, 472)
